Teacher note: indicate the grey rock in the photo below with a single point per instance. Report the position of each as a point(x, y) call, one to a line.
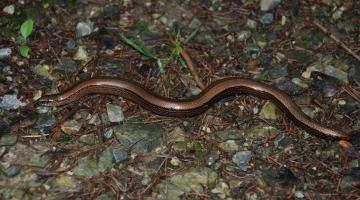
point(10, 9)
point(243, 35)
point(89, 166)
point(266, 5)
point(88, 139)
point(95, 119)
point(81, 54)
point(70, 44)
point(242, 158)
point(71, 126)
point(108, 133)
point(299, 194)
point(115, 113)
point(267, 18)
point(8, 140)
point(139, 137)
point(45, 120)
point(10, 102)
point(119, 155)
point(251, 24)
point(84, 29)
point(5, 53)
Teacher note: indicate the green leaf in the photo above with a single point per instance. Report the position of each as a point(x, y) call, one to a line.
point(182, 63)
point(24, 50)
point(64, 137)
point(191, 36)
point(140, 47)
point(26, 28)
point(176, 50)
point(160, 65)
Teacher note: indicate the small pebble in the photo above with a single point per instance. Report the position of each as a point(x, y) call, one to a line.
point(10, 9)
point(175, 161)
point(5, 52)
point(119, 155)
point(88, 139)
point(251, 24)
point(95, 119)
point(115, 113)
point(8, 140)
point(81, 54)
point(342, 102)
point(45, 120)
point(10, 102)
point(266, 5)
point(241, 159)
point(108, 133)
point(243, 35)
point(83, 29)
point(71, 127)
point(267, 18)
point(299, 194)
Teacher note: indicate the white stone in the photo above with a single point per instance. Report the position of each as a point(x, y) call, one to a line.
point(266, 5)
point(10, 9)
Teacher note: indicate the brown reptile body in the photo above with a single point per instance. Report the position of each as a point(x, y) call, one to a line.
point(190, 107)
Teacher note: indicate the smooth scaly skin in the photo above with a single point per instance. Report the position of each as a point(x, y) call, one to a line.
point(194, 106)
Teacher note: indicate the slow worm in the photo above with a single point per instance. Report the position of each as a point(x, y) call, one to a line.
point(190, 107)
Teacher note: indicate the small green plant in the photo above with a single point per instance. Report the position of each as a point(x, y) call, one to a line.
point(175, 51)
point(64, 137)
point(26, 30)
point(190, 36)
point(141, 48)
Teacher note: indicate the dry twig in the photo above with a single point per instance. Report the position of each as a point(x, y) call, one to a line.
point(337, 40)
point(191, 66)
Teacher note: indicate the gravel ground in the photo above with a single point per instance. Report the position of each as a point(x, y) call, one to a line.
point(243, 147)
